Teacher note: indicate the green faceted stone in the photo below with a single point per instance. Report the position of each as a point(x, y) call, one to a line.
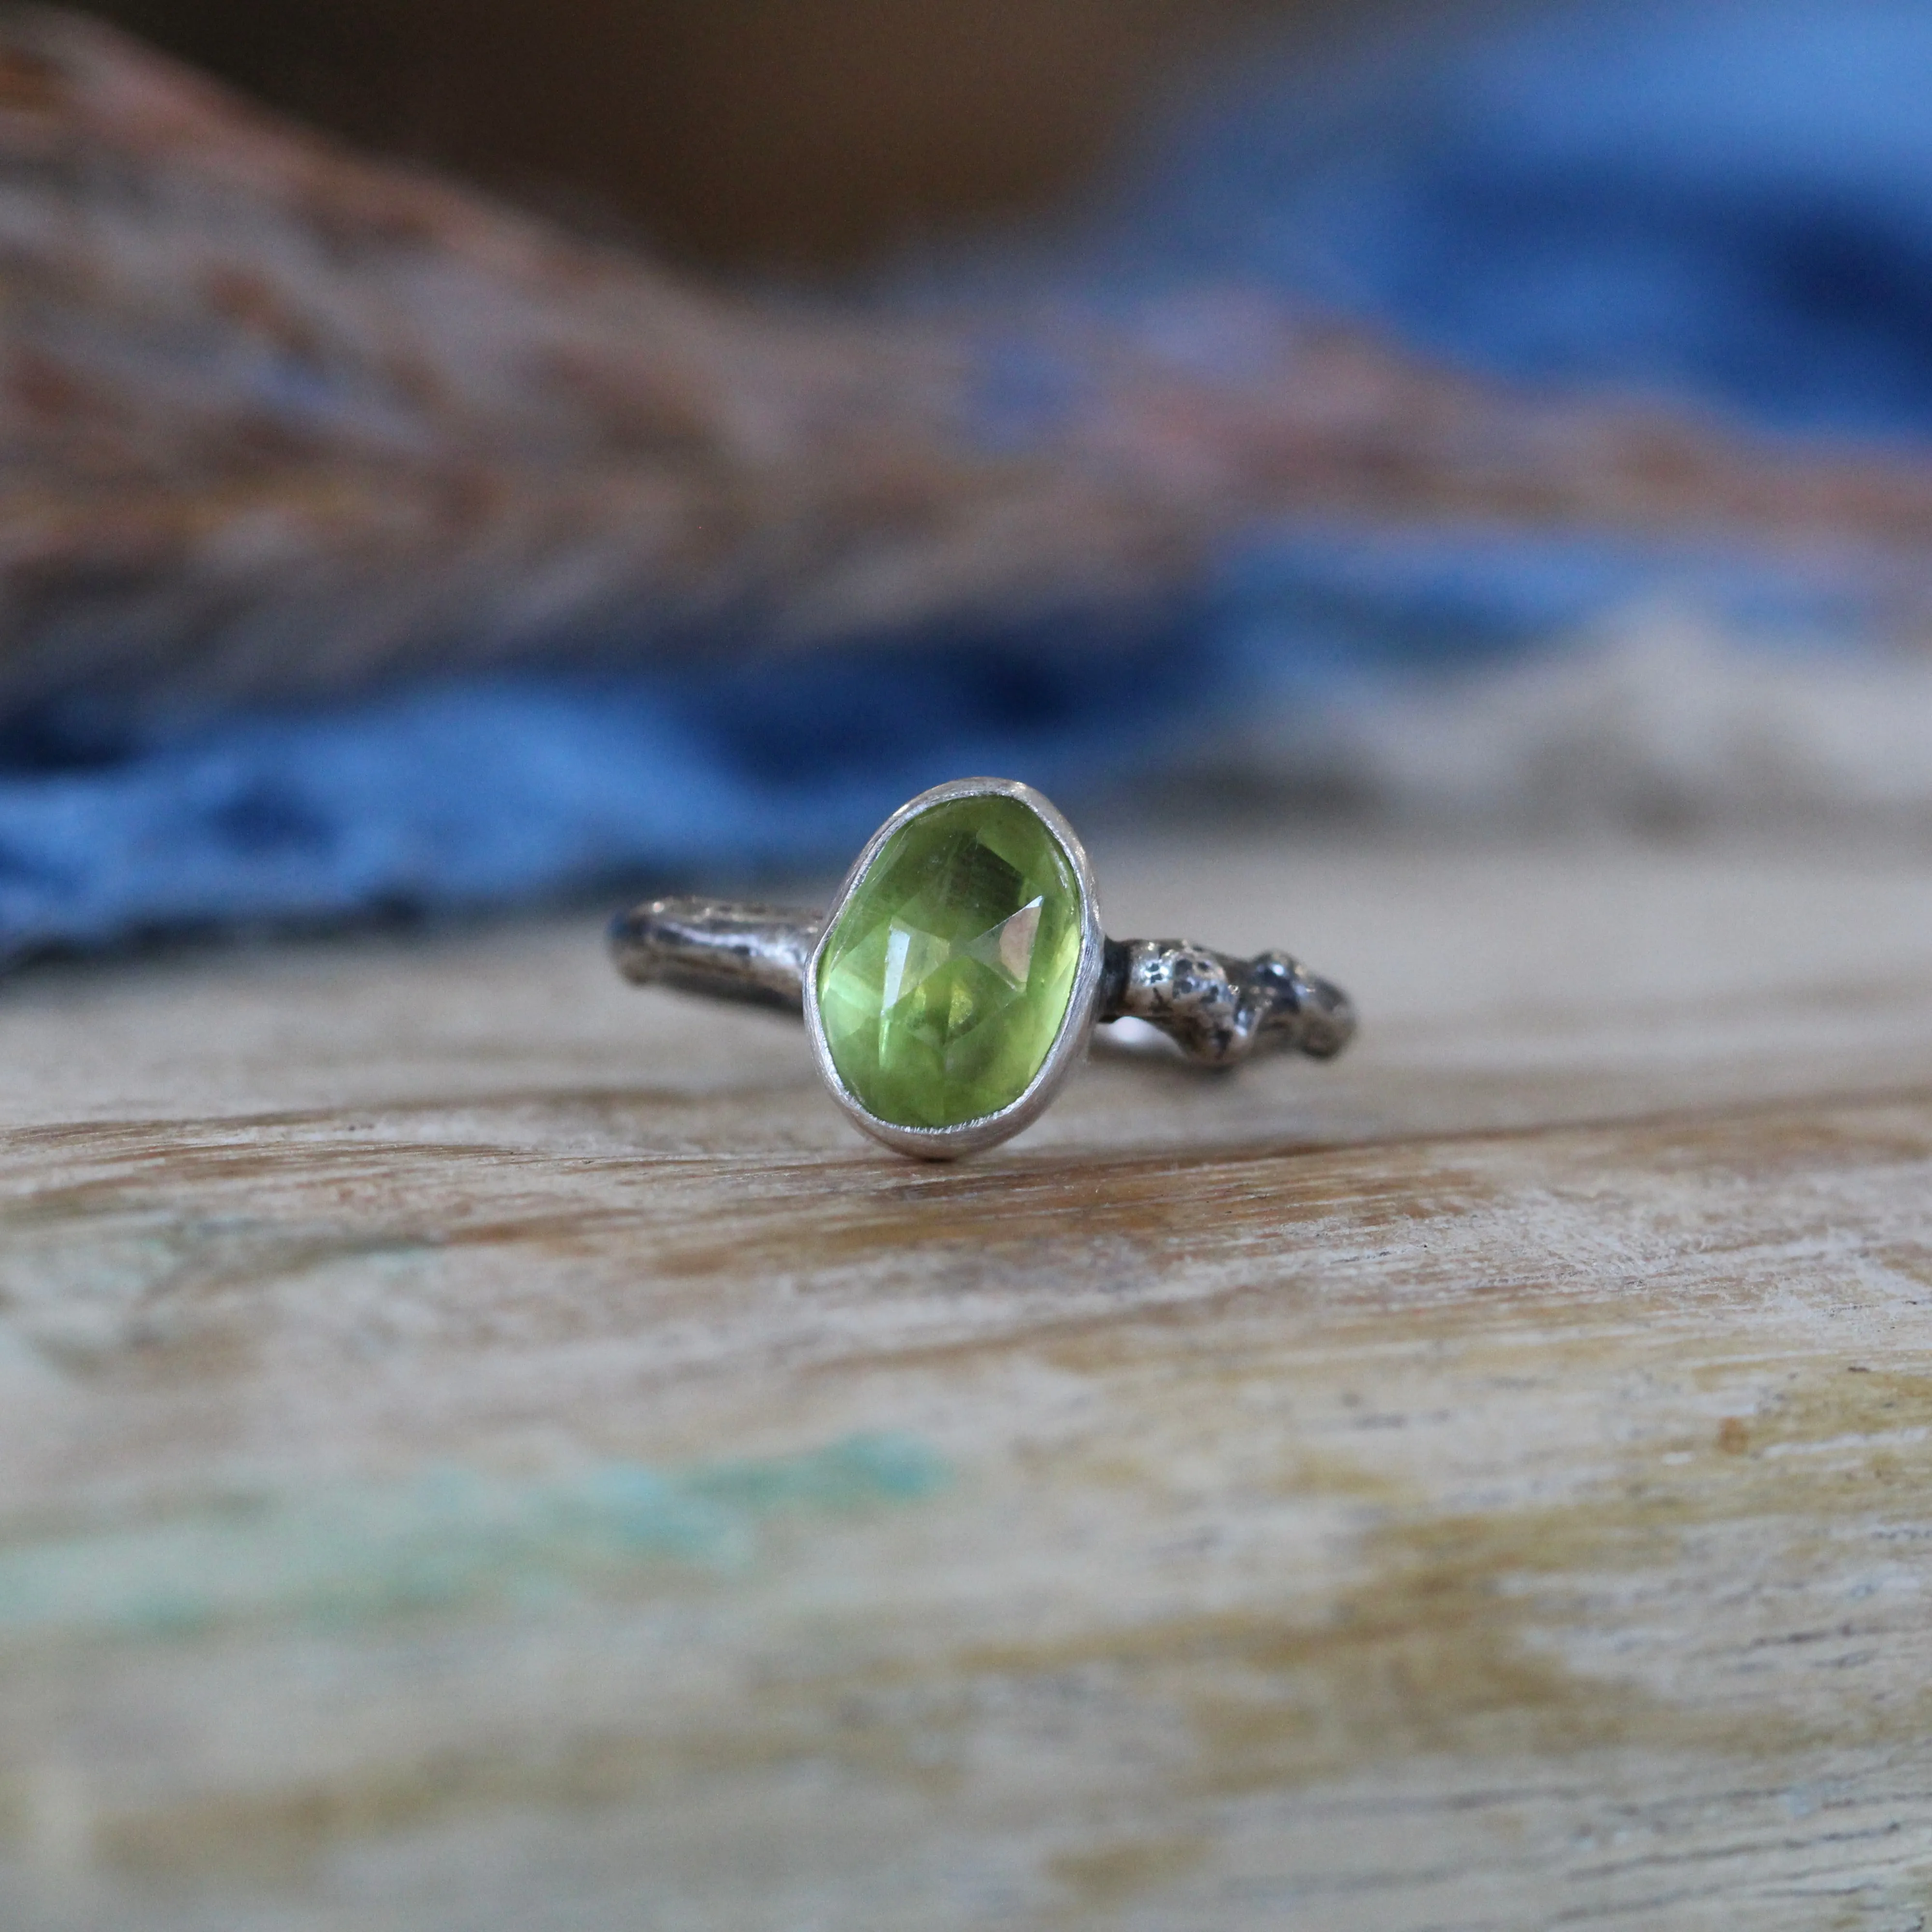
point(944, 981)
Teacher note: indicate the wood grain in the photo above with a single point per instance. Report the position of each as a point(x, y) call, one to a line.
point(479, 1449)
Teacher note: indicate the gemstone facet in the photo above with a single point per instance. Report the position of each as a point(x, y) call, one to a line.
point(945, 979)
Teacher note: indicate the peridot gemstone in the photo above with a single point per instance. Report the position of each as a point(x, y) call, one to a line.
point(944, 981)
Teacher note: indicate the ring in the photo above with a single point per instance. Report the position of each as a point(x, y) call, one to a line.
point(956, 981)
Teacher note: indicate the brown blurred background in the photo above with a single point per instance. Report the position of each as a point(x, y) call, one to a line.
point(734, 133)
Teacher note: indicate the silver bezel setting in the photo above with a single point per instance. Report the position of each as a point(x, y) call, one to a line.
point(1076, 1027)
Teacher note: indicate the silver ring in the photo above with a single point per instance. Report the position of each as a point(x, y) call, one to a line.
point(978, 895)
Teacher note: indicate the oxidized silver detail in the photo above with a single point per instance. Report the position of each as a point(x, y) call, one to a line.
point(1220, 1010)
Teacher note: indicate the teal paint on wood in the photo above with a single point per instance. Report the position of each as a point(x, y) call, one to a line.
point(349, 1552)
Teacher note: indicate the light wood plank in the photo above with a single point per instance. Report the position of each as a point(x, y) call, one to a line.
point(479, 1448)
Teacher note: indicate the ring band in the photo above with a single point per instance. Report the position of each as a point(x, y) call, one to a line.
point(955, 980)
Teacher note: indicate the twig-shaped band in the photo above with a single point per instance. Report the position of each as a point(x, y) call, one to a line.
point(1220, 1010)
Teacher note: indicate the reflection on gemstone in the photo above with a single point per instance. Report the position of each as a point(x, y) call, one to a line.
point(944, 982)
point(1009, 945)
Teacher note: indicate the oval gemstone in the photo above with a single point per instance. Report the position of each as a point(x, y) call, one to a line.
point(946, 978)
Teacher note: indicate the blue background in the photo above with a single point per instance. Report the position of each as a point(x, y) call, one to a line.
point(1731, 202)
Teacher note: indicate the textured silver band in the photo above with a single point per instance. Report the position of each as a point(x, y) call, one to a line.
point(1218, 1010)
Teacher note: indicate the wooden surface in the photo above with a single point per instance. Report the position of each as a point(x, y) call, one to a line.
point(482, 1447)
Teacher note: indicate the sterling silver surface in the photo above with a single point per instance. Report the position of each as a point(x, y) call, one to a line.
point(755, 955)
point(1217, 1009)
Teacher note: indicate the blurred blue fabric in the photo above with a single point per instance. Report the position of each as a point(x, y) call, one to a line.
point(1732, 198)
